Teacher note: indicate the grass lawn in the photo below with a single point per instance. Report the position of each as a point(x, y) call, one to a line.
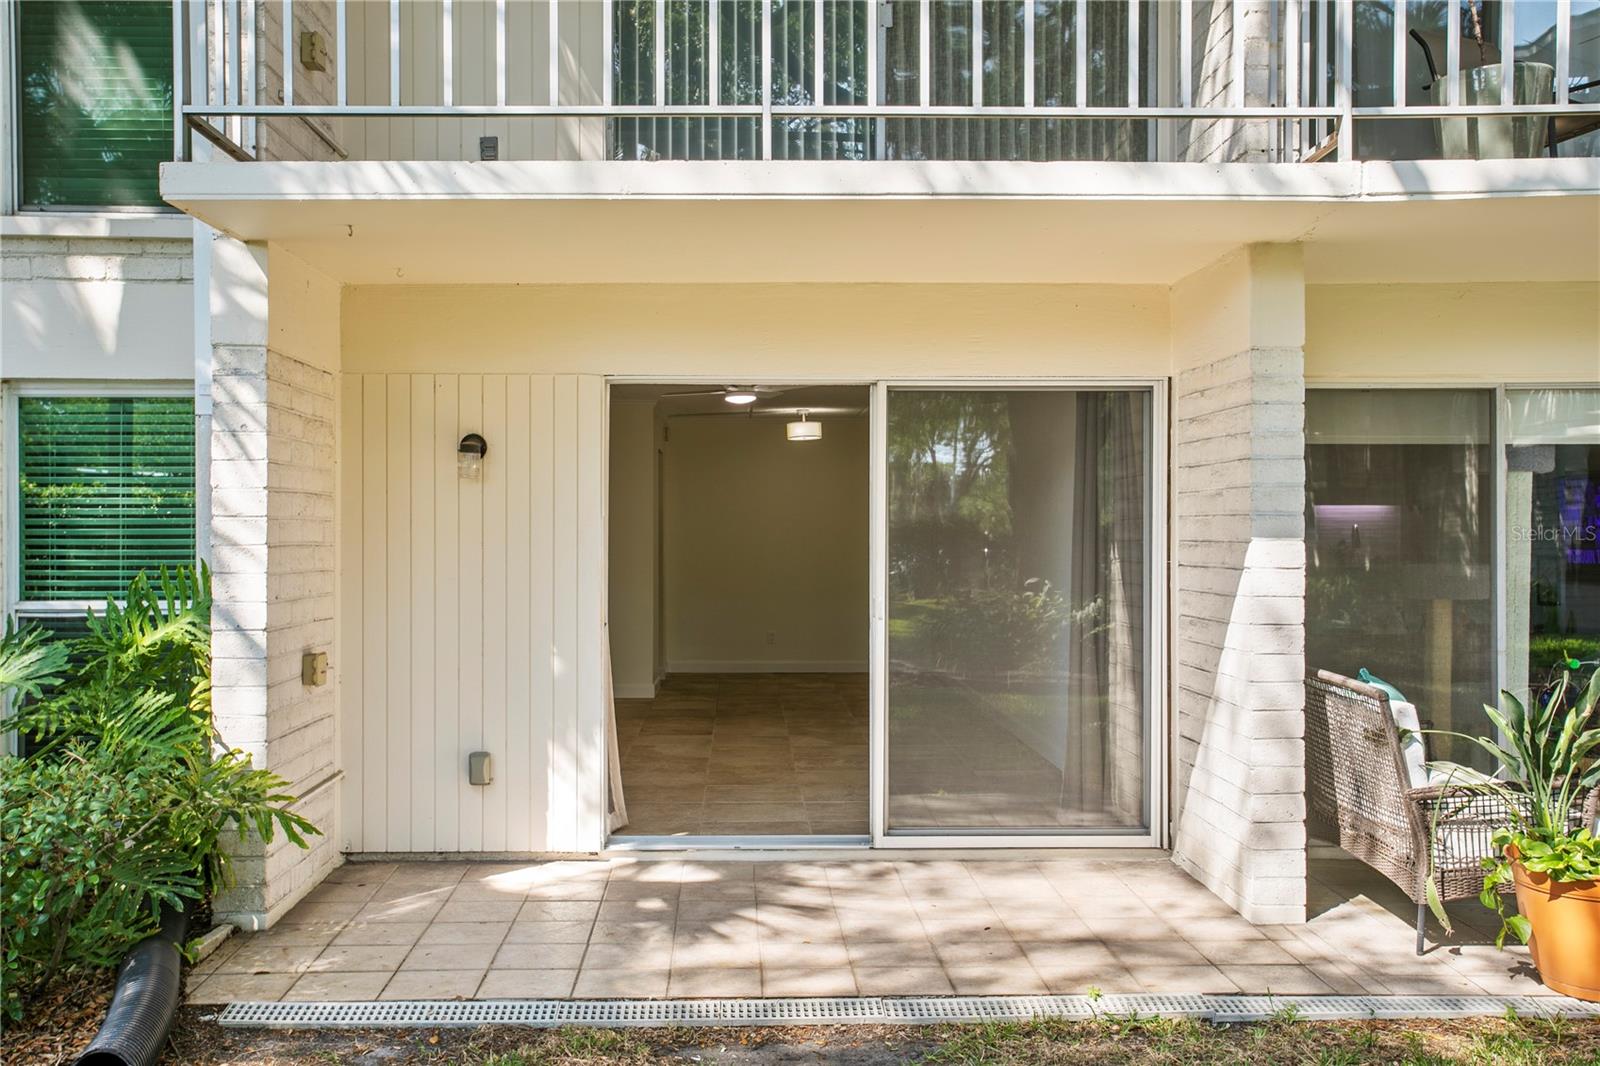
point(1113, 1040)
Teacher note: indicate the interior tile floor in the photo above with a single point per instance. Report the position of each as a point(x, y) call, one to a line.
point(746, 755)
point(652, 928)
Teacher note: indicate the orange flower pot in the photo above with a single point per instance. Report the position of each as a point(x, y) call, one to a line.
point(1565, 916)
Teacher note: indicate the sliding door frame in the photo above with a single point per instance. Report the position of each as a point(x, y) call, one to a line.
point(1158, 664)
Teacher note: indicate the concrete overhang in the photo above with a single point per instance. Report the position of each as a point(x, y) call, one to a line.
point(796, 222)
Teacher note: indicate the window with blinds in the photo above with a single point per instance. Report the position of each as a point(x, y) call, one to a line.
point(105, 489)
point(94, 101)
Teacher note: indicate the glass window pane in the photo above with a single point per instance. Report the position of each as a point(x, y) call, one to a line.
point(1018, 547)
point(94, 101)
point(106, 490)
point(1552, 534)
point(1399, 555)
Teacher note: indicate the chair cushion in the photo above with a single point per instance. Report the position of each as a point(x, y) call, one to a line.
point(1367, 677)
point(1413, 751)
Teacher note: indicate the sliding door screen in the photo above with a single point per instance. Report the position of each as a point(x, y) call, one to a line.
point(1018, 619)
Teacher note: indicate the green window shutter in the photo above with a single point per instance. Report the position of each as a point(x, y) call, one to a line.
point(106, 490)
point(94, 100)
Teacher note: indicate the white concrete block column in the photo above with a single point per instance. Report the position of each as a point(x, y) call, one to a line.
point(272, 482)
point(1238, 472)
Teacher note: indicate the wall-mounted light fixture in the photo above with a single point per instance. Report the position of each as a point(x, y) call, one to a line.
point(803, 430)
point(469, 456)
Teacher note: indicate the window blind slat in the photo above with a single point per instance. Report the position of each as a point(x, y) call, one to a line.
point(106, 489)
point(94, 100)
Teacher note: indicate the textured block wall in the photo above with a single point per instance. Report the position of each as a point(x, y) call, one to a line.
point(1239, 483)
point(1220, 26)
point(273, 473)
point(95, 259)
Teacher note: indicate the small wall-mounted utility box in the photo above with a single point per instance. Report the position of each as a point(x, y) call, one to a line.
point(480, 768)
point(488, 148)
point(313, 50)
point(314, 669)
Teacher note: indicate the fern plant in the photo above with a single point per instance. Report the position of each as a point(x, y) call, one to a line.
point(121, 807)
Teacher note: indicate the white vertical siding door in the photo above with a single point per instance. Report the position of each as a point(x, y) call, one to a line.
point(564, 603)
point(518, 612)
point(374, 608)
point(470, 647)
point(447, 737)
point(398, 616)
point(541, 598)
point(473, 612)
point(495, 664)
point(424, 814)
point(350, 677)
point(590, 810)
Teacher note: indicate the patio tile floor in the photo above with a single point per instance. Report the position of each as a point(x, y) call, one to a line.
point(651, 928)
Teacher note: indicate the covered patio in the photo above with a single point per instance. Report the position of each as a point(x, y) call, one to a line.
point(1013, 924)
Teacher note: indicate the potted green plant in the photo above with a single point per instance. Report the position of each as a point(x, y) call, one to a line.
point(1549, 759)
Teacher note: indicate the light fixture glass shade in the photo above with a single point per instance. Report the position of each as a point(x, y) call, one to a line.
point(740, 397)
point(469, 456)
point(803, 430)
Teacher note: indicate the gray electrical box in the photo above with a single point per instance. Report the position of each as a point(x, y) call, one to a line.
point(480, 768)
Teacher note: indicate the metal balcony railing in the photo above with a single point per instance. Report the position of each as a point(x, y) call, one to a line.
point(1183, 80)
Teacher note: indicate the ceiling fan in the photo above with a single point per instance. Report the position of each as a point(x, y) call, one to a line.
point(739, 395)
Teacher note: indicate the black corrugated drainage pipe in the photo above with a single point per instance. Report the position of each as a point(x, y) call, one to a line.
point(146, 999)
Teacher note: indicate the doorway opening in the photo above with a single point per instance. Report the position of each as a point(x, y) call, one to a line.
point(739, 546)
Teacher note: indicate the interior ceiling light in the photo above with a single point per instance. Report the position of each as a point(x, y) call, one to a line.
point(803, 430)
point(740, 396)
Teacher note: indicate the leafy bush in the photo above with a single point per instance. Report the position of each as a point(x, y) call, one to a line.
point(1002, 630)
point(1549, 760)
point(120, 809)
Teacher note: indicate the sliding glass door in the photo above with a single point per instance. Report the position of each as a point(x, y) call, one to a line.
point(1016, 612)
point(1552, 536)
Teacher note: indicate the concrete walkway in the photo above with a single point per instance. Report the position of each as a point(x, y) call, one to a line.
point(650, 928)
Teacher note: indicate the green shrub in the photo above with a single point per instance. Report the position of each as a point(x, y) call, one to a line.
point(1549, 759)
point(988, 631)
point(120, 808)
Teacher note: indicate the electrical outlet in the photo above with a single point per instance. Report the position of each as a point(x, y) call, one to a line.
point(313, 51)
point(772, 638)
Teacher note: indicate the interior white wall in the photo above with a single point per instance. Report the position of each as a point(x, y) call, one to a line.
point(765, 536)
point(631, 575)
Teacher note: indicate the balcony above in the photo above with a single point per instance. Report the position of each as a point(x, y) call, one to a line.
point(1109, 141)
point(1131, 81)
point(541, 222)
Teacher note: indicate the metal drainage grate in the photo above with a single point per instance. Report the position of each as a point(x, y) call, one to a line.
point(622, 1013)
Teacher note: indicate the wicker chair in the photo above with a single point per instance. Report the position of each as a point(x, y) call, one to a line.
point(1359, 794)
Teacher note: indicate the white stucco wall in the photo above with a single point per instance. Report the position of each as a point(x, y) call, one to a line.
point(92, 308)
point(1511, 332)
point(843, 333)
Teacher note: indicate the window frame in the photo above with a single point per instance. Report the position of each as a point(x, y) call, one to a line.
point(1499, 435)
point(11, 202)
point(17, 608)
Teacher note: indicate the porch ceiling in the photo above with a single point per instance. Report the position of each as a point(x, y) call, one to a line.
point(531, 223)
